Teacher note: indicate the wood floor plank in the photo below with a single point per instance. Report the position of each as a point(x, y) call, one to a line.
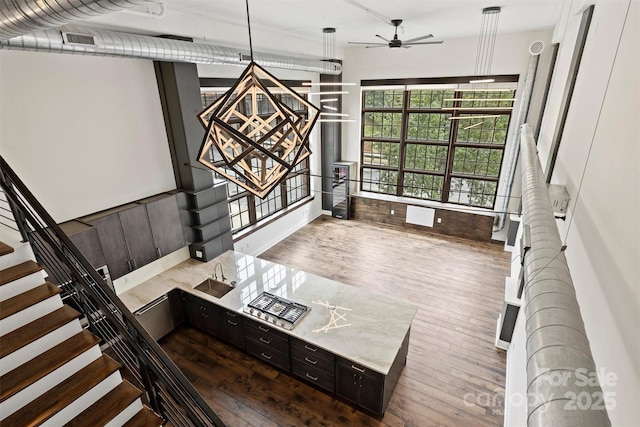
point(452, 364)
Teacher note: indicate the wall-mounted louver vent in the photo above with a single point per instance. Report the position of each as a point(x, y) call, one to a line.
point(78, 39)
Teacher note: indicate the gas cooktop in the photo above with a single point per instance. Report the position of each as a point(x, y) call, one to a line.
point(277, 310)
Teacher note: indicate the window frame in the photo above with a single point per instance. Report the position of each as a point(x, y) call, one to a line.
point(457, 109)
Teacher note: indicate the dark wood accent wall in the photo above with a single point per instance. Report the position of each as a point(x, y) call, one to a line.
point(458, 224)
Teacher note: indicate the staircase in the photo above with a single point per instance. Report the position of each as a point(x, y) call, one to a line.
point(52, 371)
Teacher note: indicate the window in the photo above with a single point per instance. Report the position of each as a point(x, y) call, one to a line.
point(444, 145)
point(246, 209)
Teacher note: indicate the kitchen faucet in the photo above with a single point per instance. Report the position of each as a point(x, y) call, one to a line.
point(215, 275)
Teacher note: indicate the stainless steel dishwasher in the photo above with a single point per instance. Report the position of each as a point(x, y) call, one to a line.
point(156, 317)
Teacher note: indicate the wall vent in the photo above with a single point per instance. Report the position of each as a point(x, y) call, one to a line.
point(78, 39)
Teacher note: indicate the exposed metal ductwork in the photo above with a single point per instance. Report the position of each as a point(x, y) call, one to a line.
point(510, 167)
point(88, 41)
point(28, 25)
point(561, 373)
point(20, 17)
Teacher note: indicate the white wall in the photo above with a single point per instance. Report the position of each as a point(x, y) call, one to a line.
point(84, 133)
point(599, 162)
point(453, 58)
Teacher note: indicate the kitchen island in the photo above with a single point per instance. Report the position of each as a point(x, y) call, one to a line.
point(350, 342)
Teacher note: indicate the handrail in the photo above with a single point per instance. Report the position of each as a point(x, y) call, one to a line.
point(562, 382)
point(170, 393)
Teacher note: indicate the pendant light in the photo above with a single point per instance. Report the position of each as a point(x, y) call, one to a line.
point(258, 150)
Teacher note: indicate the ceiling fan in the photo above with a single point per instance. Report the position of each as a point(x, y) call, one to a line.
point(396, 42)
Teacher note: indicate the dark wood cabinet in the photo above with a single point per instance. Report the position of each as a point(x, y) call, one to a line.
point(359, 385)
point(365, 388)
point(267, 343)
point(232, 328)
point(313, 364)
point(129, 236)
point(114, 246)
point(166, 226)
point(203, 315)
point(178, 306)
point(137, 235)
point(86, 239)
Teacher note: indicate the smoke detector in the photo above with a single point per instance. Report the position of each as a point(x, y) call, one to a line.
point(536, 48)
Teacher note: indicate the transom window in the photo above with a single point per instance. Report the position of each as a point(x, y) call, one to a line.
point(444, 145)
point(245, 208)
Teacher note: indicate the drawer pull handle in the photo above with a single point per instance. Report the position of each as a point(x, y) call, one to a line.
point(311, 377)
point(236, 324)
point(313, 362)
point(265, 341)
point(266, 356)
point(358, 369)
point(310, 348)
point(231, 314)
point(262, 328)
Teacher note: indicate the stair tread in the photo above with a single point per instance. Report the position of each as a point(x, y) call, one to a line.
point(5, 249)
point(104, 410)
point(18, 271)
point(144, 418)
point(20, 378)
point(30, 332)
point(26, 299)
point(51, 402)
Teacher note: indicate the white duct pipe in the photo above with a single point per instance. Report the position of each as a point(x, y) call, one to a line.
point(20, 17)
point(558, 352)
point(109, 43)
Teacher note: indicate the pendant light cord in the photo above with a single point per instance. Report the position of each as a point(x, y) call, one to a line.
point(249, 27)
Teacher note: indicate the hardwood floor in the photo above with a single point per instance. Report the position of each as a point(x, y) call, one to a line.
point(454, 375)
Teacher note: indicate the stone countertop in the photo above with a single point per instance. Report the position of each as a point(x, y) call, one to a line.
point(367, 328)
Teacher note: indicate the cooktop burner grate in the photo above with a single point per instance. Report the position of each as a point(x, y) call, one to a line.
point(276, 309)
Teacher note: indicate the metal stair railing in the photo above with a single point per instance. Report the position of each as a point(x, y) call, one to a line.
point(169, 392)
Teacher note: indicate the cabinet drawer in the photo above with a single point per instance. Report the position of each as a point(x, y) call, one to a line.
point(312, 375)
point(359, 369)
point(312, 360)
point(269, 355)
point(263, 329)
point(268, 340)
point(311, 350)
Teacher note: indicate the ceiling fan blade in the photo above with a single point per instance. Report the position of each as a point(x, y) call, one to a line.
point(375, 45)
point(428, 36)
point(379, 36)
point(433, 42)
point(368, 43)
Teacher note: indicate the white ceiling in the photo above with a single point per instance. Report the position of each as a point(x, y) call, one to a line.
point(296, 25)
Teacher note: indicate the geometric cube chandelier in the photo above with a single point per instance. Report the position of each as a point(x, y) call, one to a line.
point(260, 151)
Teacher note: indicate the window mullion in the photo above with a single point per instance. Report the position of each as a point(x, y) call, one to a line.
point(251, 201)
point(453, 134)
point(403, 143)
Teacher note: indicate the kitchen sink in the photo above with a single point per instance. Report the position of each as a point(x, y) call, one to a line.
point(215, 288)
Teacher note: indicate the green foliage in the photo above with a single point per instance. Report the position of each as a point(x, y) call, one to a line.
point(426, 145)
point(423, 186)
point(383, 98)
point(477, 161)
point(426, 157)
point(428, 127)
